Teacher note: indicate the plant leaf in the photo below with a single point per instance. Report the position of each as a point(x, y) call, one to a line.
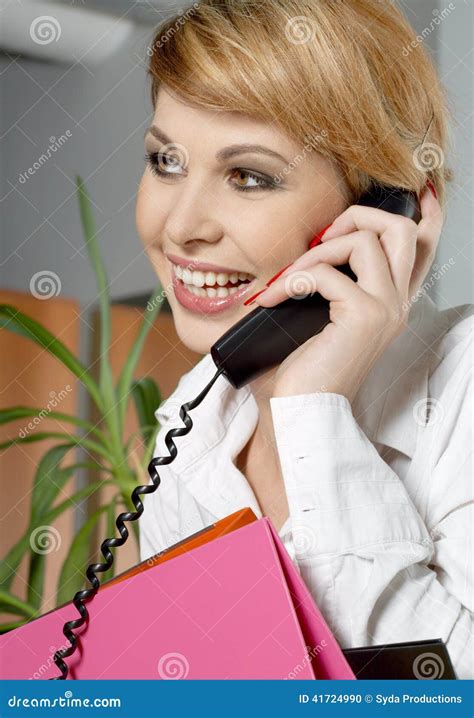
point(126, 376)
point(72, 576)
point(15, 321)
point(9, 564)
point(78, 441)
point(14, 605)
point(49, 480)
point(147, 398)
point(106, 384)
point(22, 412)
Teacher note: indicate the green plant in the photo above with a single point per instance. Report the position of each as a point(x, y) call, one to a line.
point(108, 452)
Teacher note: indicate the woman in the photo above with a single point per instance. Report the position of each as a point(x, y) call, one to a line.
point(270, 120)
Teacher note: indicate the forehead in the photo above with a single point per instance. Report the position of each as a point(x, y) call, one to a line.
point(184, 122)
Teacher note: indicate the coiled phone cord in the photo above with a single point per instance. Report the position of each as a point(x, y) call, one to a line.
point(88, 594)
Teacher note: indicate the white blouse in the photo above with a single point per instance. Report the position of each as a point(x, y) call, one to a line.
point(380, 520)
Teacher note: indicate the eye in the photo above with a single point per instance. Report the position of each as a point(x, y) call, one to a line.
point(162, 164)
point(245, 180)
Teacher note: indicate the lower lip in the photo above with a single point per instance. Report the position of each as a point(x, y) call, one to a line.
point(208, 305)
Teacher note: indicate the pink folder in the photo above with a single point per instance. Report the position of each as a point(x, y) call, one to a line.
point(233, 608)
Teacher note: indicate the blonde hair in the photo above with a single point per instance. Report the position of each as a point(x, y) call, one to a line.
point(349, 74)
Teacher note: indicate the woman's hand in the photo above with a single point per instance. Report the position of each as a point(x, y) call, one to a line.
point(390, 255)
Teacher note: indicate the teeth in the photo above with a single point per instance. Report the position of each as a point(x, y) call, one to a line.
point(215, 281)
point(211, 291)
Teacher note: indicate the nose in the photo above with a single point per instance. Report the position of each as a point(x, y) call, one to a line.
point(192, 215)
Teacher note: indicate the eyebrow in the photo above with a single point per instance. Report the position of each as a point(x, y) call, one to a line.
point(226, 152)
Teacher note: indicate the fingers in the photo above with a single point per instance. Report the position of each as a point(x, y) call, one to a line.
point(323, 278)
point(429, 231)
point(360, 249)
point(397, 236)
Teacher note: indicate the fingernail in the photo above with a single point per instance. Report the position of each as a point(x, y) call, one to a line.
point(432, 188)
point(272, 279)
point(254, 296)
point(317, 238)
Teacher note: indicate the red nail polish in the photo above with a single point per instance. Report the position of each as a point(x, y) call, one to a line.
point(317, 238)
point(272, 279)
point(250, 299)
point(432, 188)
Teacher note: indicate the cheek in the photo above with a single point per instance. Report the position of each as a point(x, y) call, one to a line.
point(277, 236)
point(149, 218)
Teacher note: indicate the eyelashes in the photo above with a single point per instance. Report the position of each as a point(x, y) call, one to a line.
point(158, 162)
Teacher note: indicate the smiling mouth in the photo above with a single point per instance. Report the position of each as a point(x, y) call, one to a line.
point(211, 284)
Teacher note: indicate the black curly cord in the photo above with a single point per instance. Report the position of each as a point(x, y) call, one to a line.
point(88, 594)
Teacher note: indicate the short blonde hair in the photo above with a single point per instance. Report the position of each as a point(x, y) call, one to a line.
point(349, 74)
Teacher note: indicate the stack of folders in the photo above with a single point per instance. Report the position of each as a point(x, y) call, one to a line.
point(225, 603)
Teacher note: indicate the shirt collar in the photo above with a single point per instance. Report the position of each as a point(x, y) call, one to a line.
point(385, 408)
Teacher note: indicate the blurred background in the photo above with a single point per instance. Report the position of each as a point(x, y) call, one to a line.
point(73, 79)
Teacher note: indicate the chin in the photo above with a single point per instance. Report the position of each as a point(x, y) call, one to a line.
point(196, 335)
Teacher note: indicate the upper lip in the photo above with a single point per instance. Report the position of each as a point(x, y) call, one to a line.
point(202, 266)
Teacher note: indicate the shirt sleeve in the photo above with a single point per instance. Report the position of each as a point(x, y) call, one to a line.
point(376, 571)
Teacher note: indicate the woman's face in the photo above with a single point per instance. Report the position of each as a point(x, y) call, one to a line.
point(225, 190)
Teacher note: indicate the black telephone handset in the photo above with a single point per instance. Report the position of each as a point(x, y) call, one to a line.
point(259, 341)
point(266, 336)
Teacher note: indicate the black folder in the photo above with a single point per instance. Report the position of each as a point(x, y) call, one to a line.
point(417, 660)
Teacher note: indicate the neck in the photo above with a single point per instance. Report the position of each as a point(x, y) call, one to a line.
point(262, 390)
